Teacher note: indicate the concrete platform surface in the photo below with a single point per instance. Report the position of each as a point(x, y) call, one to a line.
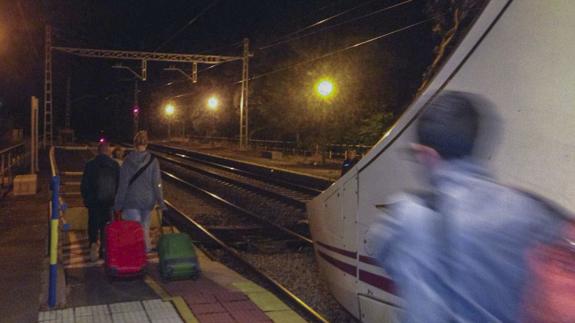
point(23, 251)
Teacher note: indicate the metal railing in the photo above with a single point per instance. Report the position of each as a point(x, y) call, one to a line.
point(55, 210)
point(10, 158)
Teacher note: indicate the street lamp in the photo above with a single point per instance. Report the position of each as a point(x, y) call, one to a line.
point(169, 110)
point(325, 88)
point(213, 103)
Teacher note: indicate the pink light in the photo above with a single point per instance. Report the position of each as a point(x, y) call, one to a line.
point(136, 110)
point(102, 140)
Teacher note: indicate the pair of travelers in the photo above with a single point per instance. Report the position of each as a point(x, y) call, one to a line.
point(131, 190)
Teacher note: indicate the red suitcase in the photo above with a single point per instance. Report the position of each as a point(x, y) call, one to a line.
point(125, 249)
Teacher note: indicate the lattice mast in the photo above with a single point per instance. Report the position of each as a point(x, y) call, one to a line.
point(48, 108)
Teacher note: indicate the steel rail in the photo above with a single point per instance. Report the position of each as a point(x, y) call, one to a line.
point(268, 177)
point(237, 208)
point(280, 290)
point(286, 199)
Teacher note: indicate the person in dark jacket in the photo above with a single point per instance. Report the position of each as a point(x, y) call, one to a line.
point(99, 185)
point(139, 193)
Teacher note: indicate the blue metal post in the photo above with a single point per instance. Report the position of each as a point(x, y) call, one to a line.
point(55, 214)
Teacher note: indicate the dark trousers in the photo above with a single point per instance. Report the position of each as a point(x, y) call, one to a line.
point(97, 219)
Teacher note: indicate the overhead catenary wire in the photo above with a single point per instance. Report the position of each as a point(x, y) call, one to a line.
point(340, 50)
point(387, 8)
point(189, 23)
point(328, 54)
point(238, 43)
point(319, 22)
point(286, 40)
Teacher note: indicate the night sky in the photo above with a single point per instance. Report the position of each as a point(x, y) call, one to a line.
point(387, 70)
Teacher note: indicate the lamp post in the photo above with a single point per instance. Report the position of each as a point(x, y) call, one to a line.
point(213, 104)
point(325, 89)
point(169, 111)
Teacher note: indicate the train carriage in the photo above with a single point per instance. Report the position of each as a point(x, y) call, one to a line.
point(518, 57)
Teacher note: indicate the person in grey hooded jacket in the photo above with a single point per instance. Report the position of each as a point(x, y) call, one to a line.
point(137, 199)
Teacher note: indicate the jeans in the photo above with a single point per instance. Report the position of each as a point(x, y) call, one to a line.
point(143, 217)
point(97, 219)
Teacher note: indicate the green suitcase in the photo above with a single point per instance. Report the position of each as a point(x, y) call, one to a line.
point(178, 259)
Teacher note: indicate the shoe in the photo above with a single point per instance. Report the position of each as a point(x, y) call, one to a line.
point(93, 252)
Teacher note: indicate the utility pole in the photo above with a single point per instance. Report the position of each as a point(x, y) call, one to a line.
point(244, 97)
point(34, 135)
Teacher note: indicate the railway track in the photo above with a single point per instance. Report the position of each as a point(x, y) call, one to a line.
point(239, 210)
point(281, 251)
point(306, 184)
point(282, 194)
point(244, 198)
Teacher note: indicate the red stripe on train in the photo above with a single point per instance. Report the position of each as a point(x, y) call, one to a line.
point(347, 253)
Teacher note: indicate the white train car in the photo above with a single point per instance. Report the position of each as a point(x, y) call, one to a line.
point(519, 55)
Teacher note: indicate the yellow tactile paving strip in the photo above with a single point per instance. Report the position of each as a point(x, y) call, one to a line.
point(272, 306)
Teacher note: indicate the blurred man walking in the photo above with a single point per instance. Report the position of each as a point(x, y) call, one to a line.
point(457, 253)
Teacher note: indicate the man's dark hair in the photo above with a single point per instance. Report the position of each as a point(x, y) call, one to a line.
point(449, 125)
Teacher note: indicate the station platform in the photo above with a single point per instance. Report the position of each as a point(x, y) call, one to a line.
point(24, 251)
point(218, 295)
point(85, 292)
